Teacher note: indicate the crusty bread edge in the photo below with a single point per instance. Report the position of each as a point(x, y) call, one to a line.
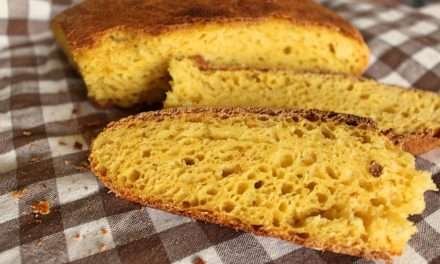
point(222, 219)
point(338, 24)
point(415, 143)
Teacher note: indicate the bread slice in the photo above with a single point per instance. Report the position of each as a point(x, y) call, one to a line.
point(323, 180)
point(122, 48)
point(413, 115)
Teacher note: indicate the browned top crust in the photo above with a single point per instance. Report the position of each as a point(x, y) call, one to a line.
point(84, 22)
point(260, 112)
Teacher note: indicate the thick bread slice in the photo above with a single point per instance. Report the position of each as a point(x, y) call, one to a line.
point(122, 48)
point(412, 115)
point(323, 180)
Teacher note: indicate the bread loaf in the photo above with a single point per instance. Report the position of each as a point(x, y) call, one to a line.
point(413, 115)
point(122, 47)
point(323, 180)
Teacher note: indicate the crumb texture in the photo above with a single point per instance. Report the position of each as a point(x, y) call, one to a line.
point(123, 49)
point(319, 182)
point(406, 111)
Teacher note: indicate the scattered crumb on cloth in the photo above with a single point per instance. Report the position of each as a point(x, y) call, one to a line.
point(77, 145)
point(18, 193)
point(27, 133)
point(41, 208)
point(198, 260)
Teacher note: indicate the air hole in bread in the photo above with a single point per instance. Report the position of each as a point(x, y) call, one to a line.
point(287, 50)
point(211, 191)
point(251, 176)
point(286, 161)
point(242, 187)
point(331, 47)
point(200, 157)
point(286, 188)
point(263, 168)
point(331, 172)
point(276, 221)
point(327, 133)
point(189, 161)
point(364, 96)
point(134, 175)
point(146, 153)
point(309, 159)
point(258, 184)
point(390, 109)
point(322, 198)
point(311, 186)
point(282, 207)
point(227, 171)
point(298, 132)
point(377, 201)
point(256, 201)
point(228, 206)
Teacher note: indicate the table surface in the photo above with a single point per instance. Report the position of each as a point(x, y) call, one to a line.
point(46, 124)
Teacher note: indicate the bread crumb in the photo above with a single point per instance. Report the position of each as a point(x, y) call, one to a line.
point(83, 166)
point(375, 169)
point(27, 133)
point(41, 208)
point(104, 231)
point(39, 243)
point(18, 193)
point(102, 248)
point(198, 260)
point(77, 145)
point(77, 236)
point(62, 143)
point(35, 159)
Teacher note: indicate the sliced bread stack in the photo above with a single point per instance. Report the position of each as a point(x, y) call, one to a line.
point(411, 117)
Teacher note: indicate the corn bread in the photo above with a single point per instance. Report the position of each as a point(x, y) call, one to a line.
point(413, 115)
point(122, 48)
point(280, 173)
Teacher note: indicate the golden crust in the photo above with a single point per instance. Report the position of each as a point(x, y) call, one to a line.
point(222, 219)
point(226, 112)
point(84, 23)
point(418, 142)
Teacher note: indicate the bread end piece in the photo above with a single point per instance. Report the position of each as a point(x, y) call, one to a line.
point(122, 50)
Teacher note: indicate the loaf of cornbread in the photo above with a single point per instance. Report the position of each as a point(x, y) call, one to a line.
point(122, 47)
point(412, 115)
point(280, 173)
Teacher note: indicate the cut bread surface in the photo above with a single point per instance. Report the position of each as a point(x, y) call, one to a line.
point(413, 115)
point(323, 180)
point(122, 49)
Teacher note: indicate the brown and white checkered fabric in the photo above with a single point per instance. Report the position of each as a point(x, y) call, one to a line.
point(46, 124)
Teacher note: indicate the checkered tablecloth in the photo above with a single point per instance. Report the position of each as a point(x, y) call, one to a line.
point(53, 210)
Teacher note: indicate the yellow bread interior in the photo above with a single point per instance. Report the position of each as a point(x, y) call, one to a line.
point(321, 184)
point(404, 110)
point(127, 67)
